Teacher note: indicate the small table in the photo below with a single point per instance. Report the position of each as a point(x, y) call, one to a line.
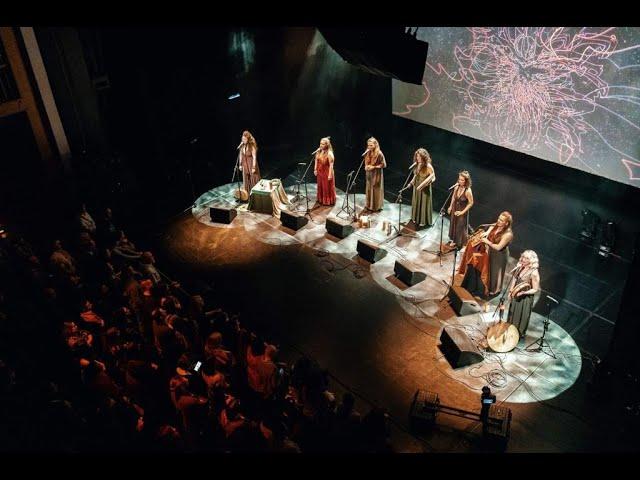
point(268, 196)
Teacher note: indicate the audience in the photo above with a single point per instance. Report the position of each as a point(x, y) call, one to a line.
point(139, 364)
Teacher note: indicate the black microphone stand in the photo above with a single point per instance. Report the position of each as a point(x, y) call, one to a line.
point(345, 202)
point(541, 342)
point(398, 229)
point(236, 170)
point(297, 197)
point(353, 182)
point(440, 253)
point(306, 192)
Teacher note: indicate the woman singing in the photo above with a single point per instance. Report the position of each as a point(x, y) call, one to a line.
point(374, 162)
point(524, 285)
point(459, 207)
point(498, 239)
point(323, 170)
point(424, 176)
point(248, 161)
point(485, 259)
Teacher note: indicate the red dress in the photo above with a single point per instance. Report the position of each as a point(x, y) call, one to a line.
point(326, 187)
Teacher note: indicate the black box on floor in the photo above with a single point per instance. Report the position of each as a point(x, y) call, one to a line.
point(424, 410)
point(293, 220)
point(222, 214)
point(407, 273)
point(370, 251)
point(338, 228)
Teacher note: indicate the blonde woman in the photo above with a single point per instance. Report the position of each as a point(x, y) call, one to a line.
point(323, 170)
point(374, 162)
point(524, 285)
point(461, 203)
point(248, 161)
point(423, 177)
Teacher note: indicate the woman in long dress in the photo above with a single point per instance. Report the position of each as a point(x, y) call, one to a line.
point(248, 161)
point(323, 170)
point(374, 162)
point(461, 203)
point(484, 265)
point(423, 178)
point(497, 240)
point(521, 304)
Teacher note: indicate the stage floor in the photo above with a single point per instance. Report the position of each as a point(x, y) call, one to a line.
point(378, 337)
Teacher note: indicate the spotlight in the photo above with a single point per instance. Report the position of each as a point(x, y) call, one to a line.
point(590, 224)
point(607, 238)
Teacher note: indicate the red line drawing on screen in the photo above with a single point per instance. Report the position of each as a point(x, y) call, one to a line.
point(633, 168)
point(410, 107)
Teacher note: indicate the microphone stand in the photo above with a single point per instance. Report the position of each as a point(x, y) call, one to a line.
point(353, 182)
point(501, 302)
point(306, 192)
point(541, 342)
point(399, 202)
point(440, 253)
point(236, 170)
point(297, 196)
point(345, 202)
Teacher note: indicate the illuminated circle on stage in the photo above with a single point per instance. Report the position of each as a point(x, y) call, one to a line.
point(518, 376)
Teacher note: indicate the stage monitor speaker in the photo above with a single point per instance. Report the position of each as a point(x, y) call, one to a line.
point(222, 214)
point(458, 348)
point(463, 302)
point(338, 229)
point(293, 220)
point(407, 274)
point(370, 251)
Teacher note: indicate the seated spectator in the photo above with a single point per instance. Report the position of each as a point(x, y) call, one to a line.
point(214, 349)
point(148, 268)
point(61, 261)
point(261, 368)
point(85, 221)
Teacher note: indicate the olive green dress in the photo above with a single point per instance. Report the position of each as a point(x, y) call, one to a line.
point(421, 204)
point(520, 308)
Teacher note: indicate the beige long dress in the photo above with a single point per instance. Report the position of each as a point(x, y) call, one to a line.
point(375, 182)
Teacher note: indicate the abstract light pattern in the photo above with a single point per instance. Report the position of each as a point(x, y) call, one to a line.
point(568, 95)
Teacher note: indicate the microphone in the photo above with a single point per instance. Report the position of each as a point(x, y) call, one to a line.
point(301, 163)
point(519, 265)
point(364, 153)
point(553, 300)
point(239, 146)
point(453, 186)
point(414, 164)
point(316, 151)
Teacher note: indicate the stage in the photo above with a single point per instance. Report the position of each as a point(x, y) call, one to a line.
point(377, 336)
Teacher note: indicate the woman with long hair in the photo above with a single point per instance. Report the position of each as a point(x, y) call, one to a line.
point(423, 177)
point(497, 240)
point(323, 170)
point(248, 161)
point(461, 203)
point(524, 285)
point(374, 162)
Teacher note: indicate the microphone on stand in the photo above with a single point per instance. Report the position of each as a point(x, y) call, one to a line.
point(553, 299)
point(364, 153)
point(519, 265)
point(239, 146)
point(316, 151)
point(414, 164)
point(453, 186)
point(301, 163)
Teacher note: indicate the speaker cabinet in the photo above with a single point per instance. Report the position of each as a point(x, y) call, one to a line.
point(293, 220)
point(222, 214)
point(424, 411)
point(338, 228)
point(407, 273)
point(463, 302)
point(458, 348)
point(370, 251)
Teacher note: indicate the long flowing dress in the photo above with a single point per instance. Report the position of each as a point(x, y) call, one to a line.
point(326, 187)
point(421, 204)
point(375, 182)
point(459, 226)
point(520, 307)
point(249, 179)
point(497, 262)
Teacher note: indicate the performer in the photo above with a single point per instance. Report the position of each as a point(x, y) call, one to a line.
point(323, 170)
point(248, 161)
point(524, 285)
point(374, 162)
point(461, 203)
point(485, 258)
point(423, 178)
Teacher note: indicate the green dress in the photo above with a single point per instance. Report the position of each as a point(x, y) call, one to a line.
point(421, 207)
